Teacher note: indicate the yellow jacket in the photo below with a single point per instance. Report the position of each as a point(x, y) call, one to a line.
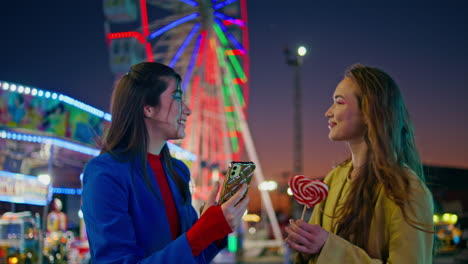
point(391, 238)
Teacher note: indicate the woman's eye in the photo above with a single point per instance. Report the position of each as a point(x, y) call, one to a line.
point(179, 97)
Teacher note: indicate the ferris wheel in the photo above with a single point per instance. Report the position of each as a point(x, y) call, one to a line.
point(206, 42)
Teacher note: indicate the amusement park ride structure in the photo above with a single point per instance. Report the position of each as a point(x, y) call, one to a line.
point(206, 42)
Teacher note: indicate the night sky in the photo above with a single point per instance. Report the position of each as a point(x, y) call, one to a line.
point(60, 46)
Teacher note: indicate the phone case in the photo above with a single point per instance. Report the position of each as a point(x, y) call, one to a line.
point(238, 172)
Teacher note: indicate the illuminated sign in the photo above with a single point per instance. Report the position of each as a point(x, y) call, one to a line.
point(20, 188)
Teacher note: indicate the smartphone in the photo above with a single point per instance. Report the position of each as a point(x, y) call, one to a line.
point(238, 172)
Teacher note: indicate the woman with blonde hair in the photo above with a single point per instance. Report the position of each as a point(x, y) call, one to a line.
point(379, 209)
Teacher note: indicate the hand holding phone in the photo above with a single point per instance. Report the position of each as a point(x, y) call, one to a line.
point(238, 173)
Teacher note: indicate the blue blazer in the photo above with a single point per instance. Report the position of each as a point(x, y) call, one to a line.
point(126, 221)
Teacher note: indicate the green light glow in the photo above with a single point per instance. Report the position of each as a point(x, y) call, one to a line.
point(220, 35)
point(228, 81)
point(229, 77)
point(232, 243)
point(237, 89)
point(230, 122)
point(219, 52)
point(237, 67)
point(226, 95)
point(235, 144)
point(232, 58)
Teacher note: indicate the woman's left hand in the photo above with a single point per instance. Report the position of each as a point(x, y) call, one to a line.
point(304, 237)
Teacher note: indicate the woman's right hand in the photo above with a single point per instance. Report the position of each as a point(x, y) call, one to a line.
point(305, 238)
point(233, 210)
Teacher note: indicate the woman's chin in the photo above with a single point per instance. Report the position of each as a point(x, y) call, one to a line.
point(179, 135)
point(333, 137)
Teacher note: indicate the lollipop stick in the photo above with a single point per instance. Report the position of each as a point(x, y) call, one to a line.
point(303, 212)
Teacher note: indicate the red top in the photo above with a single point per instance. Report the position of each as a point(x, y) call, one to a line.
point(211, 226)
point(169, 204)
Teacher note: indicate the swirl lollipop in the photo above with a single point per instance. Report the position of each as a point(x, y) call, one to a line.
point(307, 191)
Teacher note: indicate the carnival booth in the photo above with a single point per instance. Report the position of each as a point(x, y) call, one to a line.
point(46, 138)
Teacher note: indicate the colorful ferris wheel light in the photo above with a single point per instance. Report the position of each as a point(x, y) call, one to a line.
point(128, 34)
point(190, 2)
point(229, 35)
point(234, 52)
point(173, 24)
point(223, 4)
point(213, 62)
point(192, 62)
point(184, 44)
point(229, 19)
point(215, 67)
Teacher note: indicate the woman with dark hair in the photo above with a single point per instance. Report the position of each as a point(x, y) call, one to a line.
point(378, 209)
point(136, 201)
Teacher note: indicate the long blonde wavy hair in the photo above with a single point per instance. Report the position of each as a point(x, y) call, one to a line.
point(391, 152)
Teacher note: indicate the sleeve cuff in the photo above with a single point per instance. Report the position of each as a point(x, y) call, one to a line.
point(211, 227)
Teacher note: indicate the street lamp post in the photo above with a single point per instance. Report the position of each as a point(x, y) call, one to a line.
point(296, 60)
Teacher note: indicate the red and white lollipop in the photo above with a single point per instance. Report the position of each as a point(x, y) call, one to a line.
point(307, 191)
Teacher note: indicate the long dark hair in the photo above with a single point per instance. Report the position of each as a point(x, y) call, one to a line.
point(127, 137)
point(391, 153)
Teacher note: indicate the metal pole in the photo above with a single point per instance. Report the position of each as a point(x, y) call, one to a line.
point(296, 61)
point(252, 154)
point(298, 160)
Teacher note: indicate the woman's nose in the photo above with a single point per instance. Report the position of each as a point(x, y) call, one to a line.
point(329, 113)
point(187, 109)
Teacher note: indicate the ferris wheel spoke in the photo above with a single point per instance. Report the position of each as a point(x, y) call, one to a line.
point(236, 87)
point(231, 116)
point(173, 24)
point(193, 59)
point(223, 4)
point(232, 58)
point(237, 67)
point(184, 45)
point(219, 33)
point(228, 35)
point(190, 2)
point(228, 19)
point(144, 18)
